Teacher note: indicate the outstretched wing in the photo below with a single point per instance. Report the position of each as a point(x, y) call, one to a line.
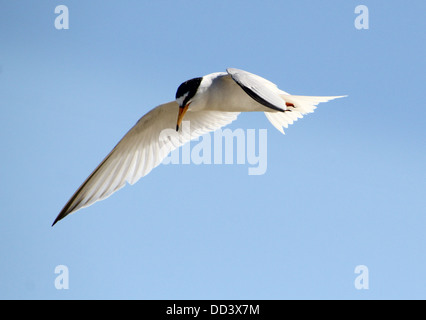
point(260, 89)
point(141, 150)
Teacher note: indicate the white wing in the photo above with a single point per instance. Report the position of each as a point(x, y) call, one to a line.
point(142, 149)
point(302, 105)
point(261, 90)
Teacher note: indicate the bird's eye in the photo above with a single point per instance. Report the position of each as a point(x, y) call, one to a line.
point(182, 99)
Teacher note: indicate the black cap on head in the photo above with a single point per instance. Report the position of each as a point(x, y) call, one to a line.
point(187, 91)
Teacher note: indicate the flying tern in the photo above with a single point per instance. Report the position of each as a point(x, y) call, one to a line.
point(208, 103)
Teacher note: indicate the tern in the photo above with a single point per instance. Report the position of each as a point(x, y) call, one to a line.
point(208, 103)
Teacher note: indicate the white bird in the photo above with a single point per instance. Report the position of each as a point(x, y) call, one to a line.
point(209, 103)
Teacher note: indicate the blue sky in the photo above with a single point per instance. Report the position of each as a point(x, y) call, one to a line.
point(344, 187)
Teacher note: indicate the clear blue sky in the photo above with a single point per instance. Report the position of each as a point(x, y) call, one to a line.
point(344, 187)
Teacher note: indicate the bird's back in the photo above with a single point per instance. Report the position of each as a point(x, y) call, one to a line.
point(219, 92)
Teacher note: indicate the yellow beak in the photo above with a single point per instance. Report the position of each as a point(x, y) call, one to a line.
point(182, 111)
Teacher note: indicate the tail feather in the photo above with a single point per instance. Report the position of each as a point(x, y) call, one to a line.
point(302, 105)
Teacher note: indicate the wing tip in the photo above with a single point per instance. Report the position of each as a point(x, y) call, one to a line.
point(54, 222)
point(231, 70)
point(60, 216)
point(64, 212)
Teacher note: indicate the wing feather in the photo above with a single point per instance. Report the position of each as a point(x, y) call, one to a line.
point(141, 150)
point(261, 90)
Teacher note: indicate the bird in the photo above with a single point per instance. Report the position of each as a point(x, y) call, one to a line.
point(208, 103)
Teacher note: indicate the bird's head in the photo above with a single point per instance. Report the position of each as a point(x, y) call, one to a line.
point(184, 97)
